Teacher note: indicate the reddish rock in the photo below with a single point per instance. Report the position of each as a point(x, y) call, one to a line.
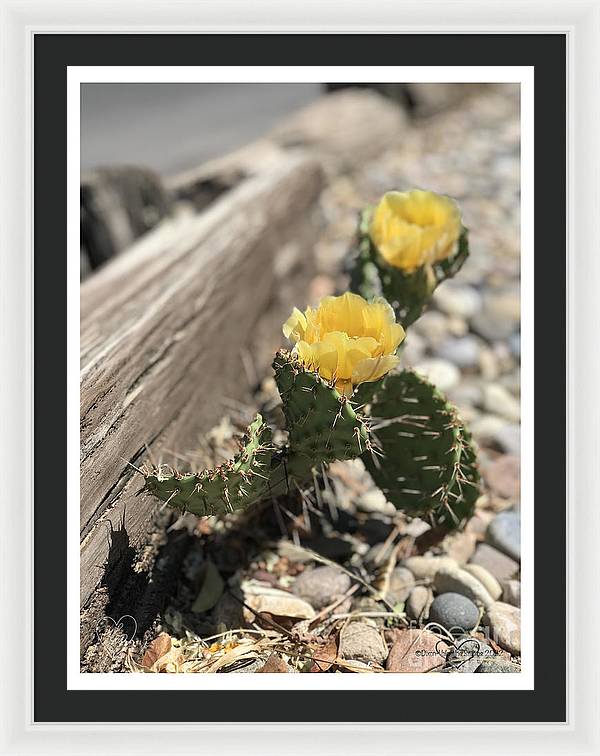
point(503, 476)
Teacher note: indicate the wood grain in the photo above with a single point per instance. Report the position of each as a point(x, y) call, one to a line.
point(163, 328)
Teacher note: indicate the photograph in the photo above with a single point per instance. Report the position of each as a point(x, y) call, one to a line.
point(299, 340)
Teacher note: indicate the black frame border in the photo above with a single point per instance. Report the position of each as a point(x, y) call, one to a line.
point(52, 54)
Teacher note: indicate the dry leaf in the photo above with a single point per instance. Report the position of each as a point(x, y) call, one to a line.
point(160, 646)
point(325, 655)
point(274, 664)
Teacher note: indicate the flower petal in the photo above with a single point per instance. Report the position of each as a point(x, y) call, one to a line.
point(373, 368)
point(294, 327)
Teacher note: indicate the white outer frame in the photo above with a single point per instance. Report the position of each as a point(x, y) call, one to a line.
point(580, 20)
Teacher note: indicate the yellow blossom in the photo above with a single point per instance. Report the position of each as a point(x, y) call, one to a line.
point(346, 339)
point(415, 228)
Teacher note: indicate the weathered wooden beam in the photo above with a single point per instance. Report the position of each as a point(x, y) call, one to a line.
point(162, 331)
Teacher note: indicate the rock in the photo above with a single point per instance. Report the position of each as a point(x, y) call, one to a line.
point(514, 344)
point(501, 566)
point(503, 476)
point(468, 654)
point(504, 533)
point(401, 584)
point(374, 501)
point(459, 300)
point(363, 642)
point(477, 525)
point(413, 348)
point(508, 439)
point(504, 622)
point(463, 352)
point(500, 315)
point(441, 373)
point(425, 567)
point(433, 326)
point(454, 611)
point(416, 651)
point(498, 401)
point(228, 612)
point(497, 664)
point(321, 586)
point(418, 603)
point(261, 598)
point(486, 429)
point(461, 581)
point(460, 546)
point(487, 580)
point(512, 592)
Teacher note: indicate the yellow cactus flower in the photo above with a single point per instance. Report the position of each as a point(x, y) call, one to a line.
point(346, 339)
point(415, 228)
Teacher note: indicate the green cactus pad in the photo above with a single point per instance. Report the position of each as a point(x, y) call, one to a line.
point(408, 293)
point(428, 466)
point(322, 424)
point(232, 486)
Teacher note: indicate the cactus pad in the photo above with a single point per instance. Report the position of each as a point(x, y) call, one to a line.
point(428, 468)
point(232, 486)
point(408, 293)
point(323, 425)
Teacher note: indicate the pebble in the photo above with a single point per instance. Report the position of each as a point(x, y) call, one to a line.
point(461, 581)
point(433, 326)
point(508, 438)
point(486, 429)
point(373, 501)
point(463, 352)
point(514, 343)
point(455, 299)
point(503, 476)
point(487, 580)
point(401, 584)
point(504, 622)
point(502, 567)
point(498, 401)
point(321, 586)
point(504, 533)
point(460, 546)
point(362, 642)
point(424, 567)
point(443, 374)
point(499, 318)
point(512, 592)
point(413, 348)
point(497, 664)
point(419, 601)
point(452, 610)
point(468, 654)
point(416, 651)
point(275, 602)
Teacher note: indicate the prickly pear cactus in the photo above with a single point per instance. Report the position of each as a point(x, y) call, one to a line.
point(427, 465)
point(408, 292)
point(232, 486)
point(323, 425)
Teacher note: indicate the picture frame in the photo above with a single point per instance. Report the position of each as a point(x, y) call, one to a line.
point(579, 23)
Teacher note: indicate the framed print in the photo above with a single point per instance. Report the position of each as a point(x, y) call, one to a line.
point(298, 393)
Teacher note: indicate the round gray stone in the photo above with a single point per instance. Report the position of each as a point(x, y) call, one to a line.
point(451, 610)
point(504, 533)
point(321, 586)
